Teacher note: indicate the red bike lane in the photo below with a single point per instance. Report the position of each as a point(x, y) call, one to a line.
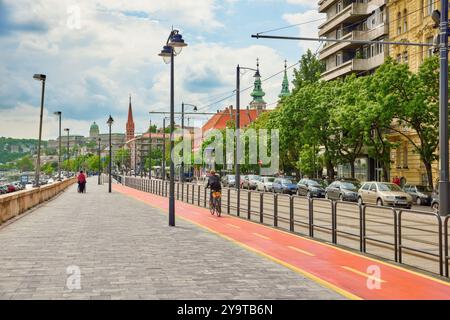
point(352, 275)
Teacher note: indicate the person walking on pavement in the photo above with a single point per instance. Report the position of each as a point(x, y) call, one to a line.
point(81, 182)
point(396, 180)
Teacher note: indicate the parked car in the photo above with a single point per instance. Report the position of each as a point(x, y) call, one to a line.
point(229, 180)
point(252, 181)
point(435, 203)
point(421, 195)
point(343, 190)
point(3, 189)
point(244, 181)
point(11, 188)
point(265, 184)
point(311, 188)
point(384, 194)
point(283, 185)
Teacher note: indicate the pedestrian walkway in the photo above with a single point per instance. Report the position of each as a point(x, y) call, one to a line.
point(349, 274)
point(122, 248)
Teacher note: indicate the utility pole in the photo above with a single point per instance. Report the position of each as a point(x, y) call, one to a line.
point(150, 151)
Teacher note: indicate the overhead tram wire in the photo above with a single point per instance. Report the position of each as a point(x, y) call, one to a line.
point(247, 88)
point(293, 25)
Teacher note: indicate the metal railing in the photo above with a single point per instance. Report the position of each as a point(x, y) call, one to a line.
point(379, 231)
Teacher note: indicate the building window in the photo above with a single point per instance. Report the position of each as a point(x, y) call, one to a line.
point(338, 59)
point(405, 21)
point(338, 7)
point(338, 33)
point(430, 49)
point(399, 58)
point(430, 5)
point(399, 23)
point(405, 57)
point(405, 155)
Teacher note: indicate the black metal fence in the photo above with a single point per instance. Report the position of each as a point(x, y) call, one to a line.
point(415, 238)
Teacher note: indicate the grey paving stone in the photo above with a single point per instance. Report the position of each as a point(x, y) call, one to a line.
point(125, 250)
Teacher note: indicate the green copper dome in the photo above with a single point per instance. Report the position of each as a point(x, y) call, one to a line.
point(94, 130)
point(258, 92)
point(94, 126)
point(285, 85)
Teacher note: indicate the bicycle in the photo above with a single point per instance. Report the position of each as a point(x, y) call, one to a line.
point(215, 203)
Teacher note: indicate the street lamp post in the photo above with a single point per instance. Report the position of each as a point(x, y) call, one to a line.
point(150, 152)
point(164, 151)
point(99, 161)
point(182, 134)
point(238, 134)
point(40, 77)
point(68, 151)
point(59, 113)
point(110, 122)
point(174, 45)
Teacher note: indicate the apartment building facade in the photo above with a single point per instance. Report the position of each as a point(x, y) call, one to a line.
point(411, 20)
point(353, 20)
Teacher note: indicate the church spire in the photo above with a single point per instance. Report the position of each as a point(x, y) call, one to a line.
point(258, 93)
point(285, 85)
point(130, 123)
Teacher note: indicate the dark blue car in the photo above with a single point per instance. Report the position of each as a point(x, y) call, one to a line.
point(283, 185)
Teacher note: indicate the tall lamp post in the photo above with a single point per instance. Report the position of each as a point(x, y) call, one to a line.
point(238, 134)
point(173, 47)
point(110, 122)
point(68, 151)
point(59, 113)
point(99, 161)
point(40, 77)
point(182, 134)
point(150, 151)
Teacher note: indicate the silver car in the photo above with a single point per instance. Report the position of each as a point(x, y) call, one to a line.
point(265, 184)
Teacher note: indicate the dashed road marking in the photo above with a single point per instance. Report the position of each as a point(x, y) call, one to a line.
point(233, 226)
point(301, 251)
point(261, 236)
point(364, 274)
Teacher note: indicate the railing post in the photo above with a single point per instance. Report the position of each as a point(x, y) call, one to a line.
point(178, 191)
point(204, 199)
point(261, 207)
point(182, 191)
point(446, 260)
point(291, 213)
point(275, 210)
point(311, 217)
point(193, 194)
point(396, 232)
point(249, 205)
point(333, 222)
point(361, 234)
point(228, 200)
point(187, 193)
point(198, 195)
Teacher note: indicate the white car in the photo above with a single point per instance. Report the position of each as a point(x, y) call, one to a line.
point(265, 184)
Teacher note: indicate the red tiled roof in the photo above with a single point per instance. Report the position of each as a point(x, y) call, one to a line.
point(220, 119)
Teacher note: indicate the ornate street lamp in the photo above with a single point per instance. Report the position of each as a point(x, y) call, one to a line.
point(173, 47)
point(110, 122)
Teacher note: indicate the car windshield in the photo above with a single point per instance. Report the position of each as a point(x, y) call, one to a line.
point(350, 185)
point(231, 178)
point(268, 179)
point(388, 187)
point(285, 181)
point(315, 183)
point(424, 189)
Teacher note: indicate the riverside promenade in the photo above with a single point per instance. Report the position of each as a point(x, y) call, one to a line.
point(118, 246)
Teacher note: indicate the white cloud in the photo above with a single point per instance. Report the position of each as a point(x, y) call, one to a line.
point(306, 3)
point(310, 30)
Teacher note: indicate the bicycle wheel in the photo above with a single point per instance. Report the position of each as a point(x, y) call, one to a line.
point(211, 206)
point(218, 206)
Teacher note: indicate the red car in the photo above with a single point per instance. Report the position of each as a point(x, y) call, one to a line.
point(11, 188)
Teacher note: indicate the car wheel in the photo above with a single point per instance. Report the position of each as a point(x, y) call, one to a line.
point(265, 189)
point(308, 194)
point(379, 202)
point(341, 197)
point(360, 201)
point(419, 201)
point(435, 207)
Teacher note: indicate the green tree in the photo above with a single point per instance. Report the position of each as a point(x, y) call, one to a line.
point(309, 71)
point(25, 164)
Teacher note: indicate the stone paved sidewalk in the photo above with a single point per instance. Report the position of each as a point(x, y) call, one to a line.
point(125, 250)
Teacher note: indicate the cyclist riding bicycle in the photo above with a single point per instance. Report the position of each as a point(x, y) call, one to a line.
point(213, 183)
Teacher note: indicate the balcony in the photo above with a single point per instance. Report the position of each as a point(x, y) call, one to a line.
point(352, 66)
point(331, 48)
point(325, 4)
point(352, 13)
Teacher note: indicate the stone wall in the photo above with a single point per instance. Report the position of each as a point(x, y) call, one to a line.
point(14, 204)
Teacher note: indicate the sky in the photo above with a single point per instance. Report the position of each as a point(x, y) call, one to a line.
point(96, 53)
